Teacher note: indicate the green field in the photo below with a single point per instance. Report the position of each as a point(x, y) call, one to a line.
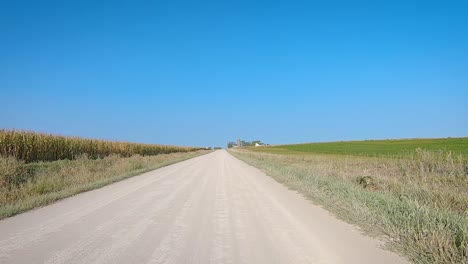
point(399, 147)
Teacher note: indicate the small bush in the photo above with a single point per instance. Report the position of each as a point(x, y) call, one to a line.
point(12, 173)
point(366, 182)
point(43, 187)
point(465, 167)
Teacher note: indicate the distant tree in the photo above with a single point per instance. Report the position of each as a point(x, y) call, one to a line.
point(256, 142)
point(231, 144)
point(245, 143)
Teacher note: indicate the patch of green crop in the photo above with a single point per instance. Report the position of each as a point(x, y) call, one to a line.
point(376, 147)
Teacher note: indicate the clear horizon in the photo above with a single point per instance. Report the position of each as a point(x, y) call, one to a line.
point(203, 74)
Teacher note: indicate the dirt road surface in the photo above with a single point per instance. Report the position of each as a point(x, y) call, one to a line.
point(210, 209)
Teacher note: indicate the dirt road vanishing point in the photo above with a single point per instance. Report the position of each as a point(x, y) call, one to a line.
point(210, 209)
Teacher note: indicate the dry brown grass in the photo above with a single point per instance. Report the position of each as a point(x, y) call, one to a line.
point(25, 186)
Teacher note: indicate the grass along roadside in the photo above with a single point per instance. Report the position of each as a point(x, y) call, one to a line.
point(26, 186)
point(419, 204)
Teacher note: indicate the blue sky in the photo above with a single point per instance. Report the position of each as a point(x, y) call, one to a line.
point(203, 73)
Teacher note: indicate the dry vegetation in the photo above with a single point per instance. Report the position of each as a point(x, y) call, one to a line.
point(31, 147)
point(418, 202)
point(25, 186)
point(37, 169)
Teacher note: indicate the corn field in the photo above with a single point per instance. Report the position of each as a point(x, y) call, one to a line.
point(31, 147)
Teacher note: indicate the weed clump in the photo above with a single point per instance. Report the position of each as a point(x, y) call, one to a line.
point(12, 173)
point(367, 182)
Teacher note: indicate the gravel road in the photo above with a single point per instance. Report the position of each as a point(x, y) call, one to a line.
point(209, 209)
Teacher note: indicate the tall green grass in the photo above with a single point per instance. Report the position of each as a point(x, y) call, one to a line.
point(399, 147)
point(31, 147)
